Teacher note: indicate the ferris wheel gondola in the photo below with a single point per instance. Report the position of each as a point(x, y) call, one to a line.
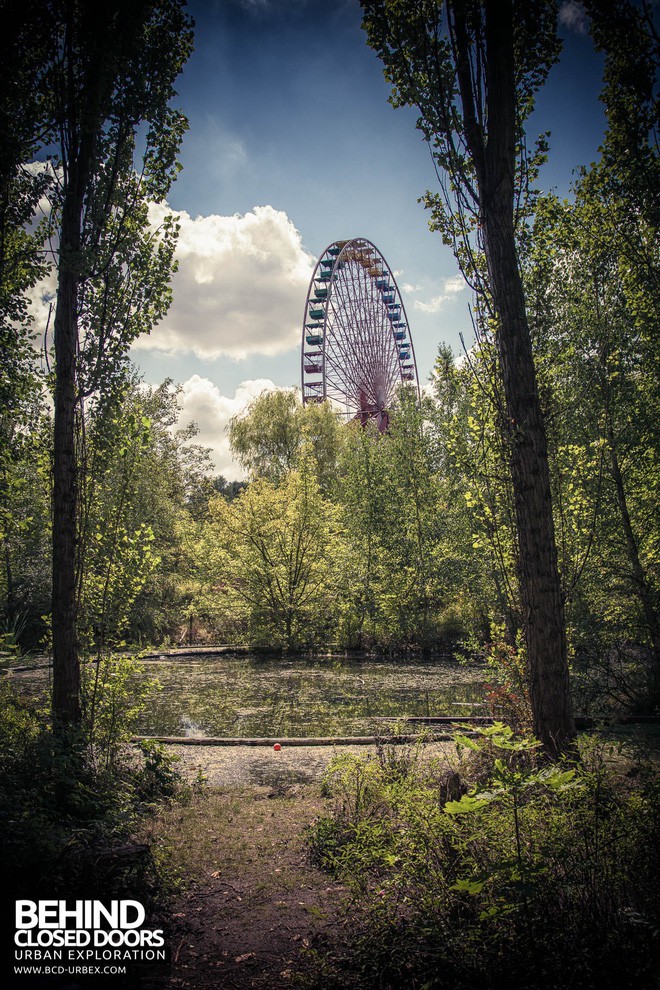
point(357, 349)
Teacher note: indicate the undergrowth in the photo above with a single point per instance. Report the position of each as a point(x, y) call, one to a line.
point(499, 871)
point(72, 804)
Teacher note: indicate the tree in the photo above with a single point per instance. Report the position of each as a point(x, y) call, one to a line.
point(110, 72)
point(146, 485)
point(268, 554)
point(412, 528)
point(472, 75)
point(270, 434)
point(626, 181)
point(592, 279)
point(25, 533)
point(471, 459)
point(24, 523)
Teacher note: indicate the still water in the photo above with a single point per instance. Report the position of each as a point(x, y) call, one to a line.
point(245, 695)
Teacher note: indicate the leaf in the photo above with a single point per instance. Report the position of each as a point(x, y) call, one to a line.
point(468, 886)
point(466, 806)
point(462, 740)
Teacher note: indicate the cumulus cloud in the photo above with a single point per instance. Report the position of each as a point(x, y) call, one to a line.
point(202, 402)
point(451, 287)
point(573, 16)
point(240, 288)
point(41, 302)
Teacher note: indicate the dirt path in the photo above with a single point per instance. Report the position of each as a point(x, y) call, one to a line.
point(252, 907)
point(255, 905)
point(230, 766)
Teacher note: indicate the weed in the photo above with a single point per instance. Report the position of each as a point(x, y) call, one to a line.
point(537, 876)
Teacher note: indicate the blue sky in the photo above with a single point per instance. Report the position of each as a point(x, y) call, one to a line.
point(292, 145)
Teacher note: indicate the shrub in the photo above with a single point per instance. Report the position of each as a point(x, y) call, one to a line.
point(540, 876)
point(70, 804)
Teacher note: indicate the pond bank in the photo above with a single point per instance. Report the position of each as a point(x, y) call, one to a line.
point(240, 766)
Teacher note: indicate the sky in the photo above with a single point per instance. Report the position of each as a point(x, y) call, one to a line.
point(293, 145)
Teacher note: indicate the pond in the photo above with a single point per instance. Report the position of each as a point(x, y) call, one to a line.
point(245, 695)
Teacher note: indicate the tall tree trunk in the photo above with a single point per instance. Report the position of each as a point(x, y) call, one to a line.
point(640, 581)
point(83, 110)
point(83, 103)
point(542, 600)
point(66, 664)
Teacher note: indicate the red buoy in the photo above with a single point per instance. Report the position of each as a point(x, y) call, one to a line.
point(277, 747)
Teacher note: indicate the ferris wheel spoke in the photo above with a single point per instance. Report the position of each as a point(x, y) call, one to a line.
point(349, 354)
point(356, 347)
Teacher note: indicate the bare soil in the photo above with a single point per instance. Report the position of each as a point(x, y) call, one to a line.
point(252, 907)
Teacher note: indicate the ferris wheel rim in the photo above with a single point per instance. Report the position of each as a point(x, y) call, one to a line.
point(317, 331)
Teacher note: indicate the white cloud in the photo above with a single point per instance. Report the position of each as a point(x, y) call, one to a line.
point(573, 16)
point(41, 303)
point(451, 287)
point(240, 288)
point(202, 402)
point(454, 285)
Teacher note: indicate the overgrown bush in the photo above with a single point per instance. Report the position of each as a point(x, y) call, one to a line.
point(71, 803)
point(536, 876)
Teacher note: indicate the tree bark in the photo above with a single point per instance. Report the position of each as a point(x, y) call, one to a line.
point(80, 125)
point(66, 665)
point(542, 600)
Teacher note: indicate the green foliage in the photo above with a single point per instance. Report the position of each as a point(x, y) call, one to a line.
point(537, 875)
point(70, 804)
point(396, 564)
point(25, 530)
point(508, 695)
point(145, 486)
point(266, 560)
point(107, 78)
point(114, 694)
point(592, 276)
point(275, 430)
point(158, 777)
point(470, 451)
point(425, 48)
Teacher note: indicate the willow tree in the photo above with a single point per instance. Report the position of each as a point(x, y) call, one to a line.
point(271, 435)
point(471, 68)
point(110, 79)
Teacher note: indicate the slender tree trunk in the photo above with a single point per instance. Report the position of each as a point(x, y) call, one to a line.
point(642, 587)
point(542, 600)
point(66, 664)
point(83, 106)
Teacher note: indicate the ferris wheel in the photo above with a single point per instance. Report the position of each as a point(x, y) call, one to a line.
point(356, 344)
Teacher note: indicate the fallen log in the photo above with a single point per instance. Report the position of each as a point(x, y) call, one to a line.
point(294, 741)
point(437, 719)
